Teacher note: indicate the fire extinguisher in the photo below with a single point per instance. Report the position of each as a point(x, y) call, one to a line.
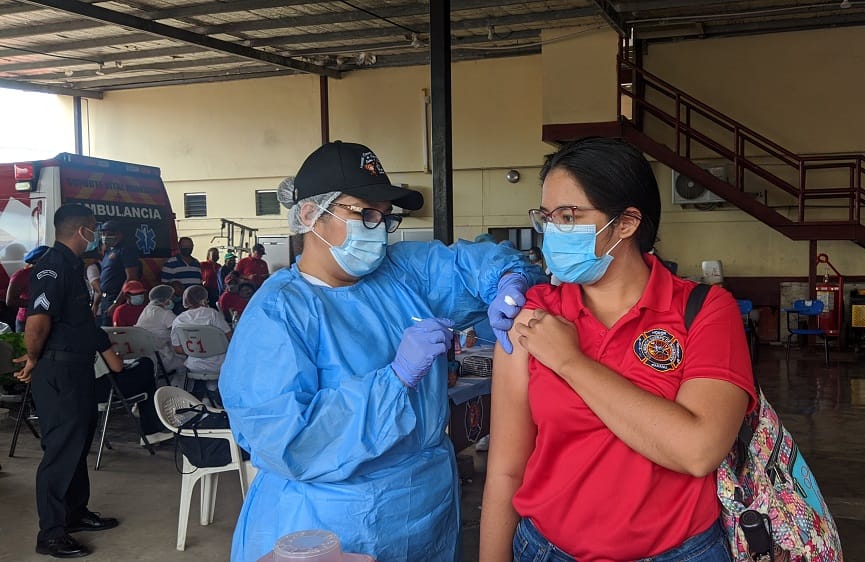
point(830, 290)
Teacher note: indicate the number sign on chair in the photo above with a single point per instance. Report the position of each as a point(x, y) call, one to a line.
point(131, 342)
point(202, 341)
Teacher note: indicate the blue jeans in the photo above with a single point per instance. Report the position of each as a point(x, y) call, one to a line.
point(709, 546)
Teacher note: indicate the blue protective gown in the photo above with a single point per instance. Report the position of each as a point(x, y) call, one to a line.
point(340, 443)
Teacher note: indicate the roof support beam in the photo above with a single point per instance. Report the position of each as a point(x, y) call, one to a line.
point(113, 57)
point(611, 16)
point(191, 64)
point(134, 22)
point(556, 16)
point(80, 45)
point(391, 11)
point(442, 123)
point(44, 89)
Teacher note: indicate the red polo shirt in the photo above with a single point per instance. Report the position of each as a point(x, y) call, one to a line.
point(585, 490)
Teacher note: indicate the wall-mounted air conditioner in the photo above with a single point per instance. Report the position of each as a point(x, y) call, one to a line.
point(687, 191)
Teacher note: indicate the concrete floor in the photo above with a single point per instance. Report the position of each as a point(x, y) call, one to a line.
point(824, 408)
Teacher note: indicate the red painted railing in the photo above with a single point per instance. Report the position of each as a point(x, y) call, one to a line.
point(740, 144)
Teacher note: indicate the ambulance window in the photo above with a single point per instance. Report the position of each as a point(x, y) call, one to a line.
point(266, 202)
point(195, 204)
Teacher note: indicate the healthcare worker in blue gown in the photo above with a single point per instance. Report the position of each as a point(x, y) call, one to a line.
point(339, 396)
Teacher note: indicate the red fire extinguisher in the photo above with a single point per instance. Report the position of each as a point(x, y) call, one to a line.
point(830, 290)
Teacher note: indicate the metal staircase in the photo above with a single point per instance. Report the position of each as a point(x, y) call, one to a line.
point(808, 197)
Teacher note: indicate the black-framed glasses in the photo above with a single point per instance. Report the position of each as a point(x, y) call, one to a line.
point(373, 217)
point(563, 217)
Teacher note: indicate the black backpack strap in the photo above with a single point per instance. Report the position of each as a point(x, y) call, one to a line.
point(695, 303)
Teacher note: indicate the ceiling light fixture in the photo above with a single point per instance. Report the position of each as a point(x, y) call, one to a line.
point(365, 59)
point(68, 73)
point(415, 41)
point(100, 70)
point(118, 63)
point(491, 32)
point(845, 4)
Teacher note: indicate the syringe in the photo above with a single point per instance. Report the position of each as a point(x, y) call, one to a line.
point(459, 332)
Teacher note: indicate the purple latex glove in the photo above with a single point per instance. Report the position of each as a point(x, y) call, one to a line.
point(510, 299)
point(419, 347)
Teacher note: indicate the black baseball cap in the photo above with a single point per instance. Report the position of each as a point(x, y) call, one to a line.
point(352, 169)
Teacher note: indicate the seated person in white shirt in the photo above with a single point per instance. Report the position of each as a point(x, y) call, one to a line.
point(157, 318)
point(198, 312)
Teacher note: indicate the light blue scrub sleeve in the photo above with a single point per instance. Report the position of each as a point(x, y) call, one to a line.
point(459, 280)
point(292, 425)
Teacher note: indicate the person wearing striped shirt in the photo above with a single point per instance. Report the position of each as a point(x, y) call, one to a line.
point(182, 270)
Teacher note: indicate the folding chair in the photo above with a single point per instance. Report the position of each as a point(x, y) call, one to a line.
point(132, 342)
point(116, 400)
point(803, 311)
point(26, 415)
point(201, 342)
point(26, 409)
point(168, 400)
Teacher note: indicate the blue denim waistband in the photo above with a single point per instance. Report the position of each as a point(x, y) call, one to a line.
point(691, 549)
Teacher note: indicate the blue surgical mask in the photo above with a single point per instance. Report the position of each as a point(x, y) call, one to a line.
point(93, 243)
point(571, 255)
point(136, 300)
point(363, 250)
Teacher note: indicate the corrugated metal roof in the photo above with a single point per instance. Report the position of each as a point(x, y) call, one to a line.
point(172, 41)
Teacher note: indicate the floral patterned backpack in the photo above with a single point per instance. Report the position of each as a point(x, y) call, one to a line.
point(766, 473)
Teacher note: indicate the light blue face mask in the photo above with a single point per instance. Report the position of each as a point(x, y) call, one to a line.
point(571, 255)
point(91, 244)
point(363, 250)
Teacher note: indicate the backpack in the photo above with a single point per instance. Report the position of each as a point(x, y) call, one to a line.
point(766, 489)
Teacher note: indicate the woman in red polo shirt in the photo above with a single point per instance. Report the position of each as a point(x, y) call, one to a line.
point(610, 418)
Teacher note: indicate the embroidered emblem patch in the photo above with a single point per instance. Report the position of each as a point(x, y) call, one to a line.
point(658, 349)
point(370, 163)
point(42, 301)
point(46, 273)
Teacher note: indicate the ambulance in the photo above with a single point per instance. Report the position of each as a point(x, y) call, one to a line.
point(30, 193)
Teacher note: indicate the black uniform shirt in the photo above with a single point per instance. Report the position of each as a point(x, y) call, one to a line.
point(58, 289)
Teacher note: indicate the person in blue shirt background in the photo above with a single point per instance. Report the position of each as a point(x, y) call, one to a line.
point(119, 265)
point(339, 396)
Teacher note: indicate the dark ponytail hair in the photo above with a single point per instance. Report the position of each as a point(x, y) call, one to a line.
point(614, 176)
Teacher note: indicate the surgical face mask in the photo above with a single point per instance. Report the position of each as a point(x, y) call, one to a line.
point(136, 300)
point(571, 255)
point(186, 252)
point(363, 250)
point(109, 241)
point(92, 243)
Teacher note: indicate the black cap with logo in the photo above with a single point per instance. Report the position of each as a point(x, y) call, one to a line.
point(352, 169)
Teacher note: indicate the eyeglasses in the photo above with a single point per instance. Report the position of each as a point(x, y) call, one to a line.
point(563, 217)
point(373, 217)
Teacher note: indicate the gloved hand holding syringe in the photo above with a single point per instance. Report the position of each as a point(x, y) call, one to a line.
point(459, 332)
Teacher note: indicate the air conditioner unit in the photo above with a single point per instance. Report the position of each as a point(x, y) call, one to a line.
point(687, 191)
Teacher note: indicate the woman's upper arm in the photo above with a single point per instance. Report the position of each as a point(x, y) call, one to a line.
point(718, 386)
point(512, 430)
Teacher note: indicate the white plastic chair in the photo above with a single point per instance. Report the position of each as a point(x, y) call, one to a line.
point(168, 399)
point(201, 342)
point(132, 342)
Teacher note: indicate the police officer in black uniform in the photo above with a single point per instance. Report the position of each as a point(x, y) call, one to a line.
point(62, 340)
